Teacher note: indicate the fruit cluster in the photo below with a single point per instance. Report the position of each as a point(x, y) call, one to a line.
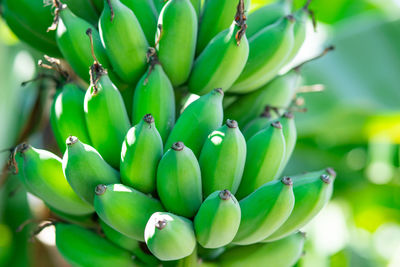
point(171, 189)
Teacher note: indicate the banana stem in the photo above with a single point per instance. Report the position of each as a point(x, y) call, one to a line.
point(111, 9)
point(152, 59)
point(58, 7)
point(96, 70)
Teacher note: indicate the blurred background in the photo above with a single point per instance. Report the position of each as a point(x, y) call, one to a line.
point(352, 125)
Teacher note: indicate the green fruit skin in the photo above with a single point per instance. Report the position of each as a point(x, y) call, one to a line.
point(265, 155)
point(124, 40)
point(107, 119)
point(267, 15)
point(142, 149)
point(278, 93)
point(84, 169)
point(222, 160)
point(126, 209)
point(84, 9)
point(282, 253)
point(82, 247)
point(217, 221)
point(220, 63)
point(216, 17)
point(67, 116)
point(264, 211)
point(29, 20)
point(146, 14)
point(179, 182)
point(75, 46)
point(197, 121)
point(42, 171)
point(99, 5)
point(156, 97)
point(128, 244)
point(177, 44)
point(159, 4)
point(173, 242)
point(299, 33)
point(81, 220)
point(311, 194)
point(255, 126)
point(197, 6)
point(290, 134)
point(268, 51)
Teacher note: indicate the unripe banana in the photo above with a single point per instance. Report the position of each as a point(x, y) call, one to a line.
point(282, 253)
point(197, 7)
point(278, 93)
point(290, 134)
point(154, 95)
point(82, 247)
point(29, 20)
point(125, 209)
point(176, 36)
point(259, 123)
point(129, 244)
point(170, 237)
point(67, 116)
point(312, 191)
point(179, 181)
point(197, 121)
point(216, 17)
point(222, 61)
point(217, 221)
point(146, 14)
point(265, 155)
point(42, 171)
point(264, 211)
point(142, 149)
point(267, 15)
point(99, 5)
point(85, 9)
point(86, 220)
point(159, 4)
point(124, 40)
point(84, 169)
point(106, 116)
point(269, 50)
point(222, 159)
point(73, 42)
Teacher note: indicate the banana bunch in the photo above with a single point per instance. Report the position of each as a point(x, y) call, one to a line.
point(172, 181)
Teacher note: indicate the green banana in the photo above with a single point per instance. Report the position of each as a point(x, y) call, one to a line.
point(222, 159)
point(282, 253)
point(278, 93)
point(84, 169)
point(142, 149)
point(268, 51)
point(106, 116)
point(312, 191)
point(264, 211)
point(159, 4)
point(217, 221)
point(84, 9)
point(87, 220)
point(125, 209)
point(176, 39)
point(73, 42)
point(216, 17)
point(267, 15)
point(154, 94)
point(42, 172)
point(82, 247)
point(223, 59)
point(197, 6)
point(128, 243)
point(67, 116)
point(197, 121)
point(259, 123)
point(179, 181)
point(124, 41)
point(146, 14)
point(265, 155)
point(170, 237)
point(29, 20)
point(99, 5)
point(290, 134)
point(209, 254)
